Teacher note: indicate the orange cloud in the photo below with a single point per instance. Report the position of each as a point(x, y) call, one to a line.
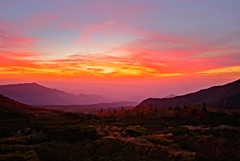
point(80, 65)
point(154, 55)
point(186, 55)
point(105, 66)
point(137, 63)
point(223, 70)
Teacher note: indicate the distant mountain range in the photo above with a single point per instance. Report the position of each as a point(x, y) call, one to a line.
point(35, 94)
point(93, 108)
point(226, 96)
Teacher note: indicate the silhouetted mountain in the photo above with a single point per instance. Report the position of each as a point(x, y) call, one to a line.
point(35, 94)
point(225, 96)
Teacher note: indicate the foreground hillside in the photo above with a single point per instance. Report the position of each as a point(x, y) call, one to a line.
point(226, 96)
point(183, 134)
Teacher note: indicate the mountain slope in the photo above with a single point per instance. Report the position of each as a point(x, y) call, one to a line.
point(225, 96)
point(9, 105)
point(35, 94)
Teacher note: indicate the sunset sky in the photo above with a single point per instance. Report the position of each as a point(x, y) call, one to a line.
point(126, 49)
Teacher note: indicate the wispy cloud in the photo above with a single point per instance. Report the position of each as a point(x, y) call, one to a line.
point(136, 41)
point(88, 30)
point(12, 41)
point(97, 65)
point(223, 70)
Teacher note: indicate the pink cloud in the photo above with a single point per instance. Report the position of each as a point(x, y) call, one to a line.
point(121, 9)
point(40, 20)
point(11, 36)
point(88, 30)
point(10, 58)
point(6, 26)
point(11, 41)
point(176, 53)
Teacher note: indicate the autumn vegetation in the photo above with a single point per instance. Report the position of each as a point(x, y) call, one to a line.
point(146, 134)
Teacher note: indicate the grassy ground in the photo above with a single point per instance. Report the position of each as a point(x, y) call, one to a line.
point(143, 135)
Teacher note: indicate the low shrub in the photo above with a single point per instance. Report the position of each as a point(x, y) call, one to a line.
point(135, 131)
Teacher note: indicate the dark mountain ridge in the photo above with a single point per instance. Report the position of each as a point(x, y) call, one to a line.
point(35, 94)
point(225, 96)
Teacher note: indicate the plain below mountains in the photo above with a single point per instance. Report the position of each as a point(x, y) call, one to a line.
point(93, 108)
point(226, 96)
point(35, 94)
